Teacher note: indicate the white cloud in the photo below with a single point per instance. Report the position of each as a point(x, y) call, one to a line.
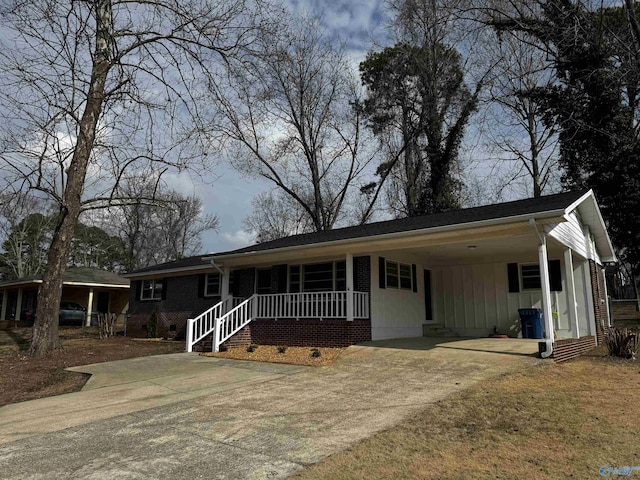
point(238, 239)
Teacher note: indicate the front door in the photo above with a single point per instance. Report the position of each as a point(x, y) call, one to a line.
point(428, 304)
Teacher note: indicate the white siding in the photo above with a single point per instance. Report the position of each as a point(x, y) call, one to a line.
point(473, 299)
point(396, 313)
point(571, 234)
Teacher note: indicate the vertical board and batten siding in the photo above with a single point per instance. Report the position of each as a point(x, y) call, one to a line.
point(396, 313)
point(473, 299)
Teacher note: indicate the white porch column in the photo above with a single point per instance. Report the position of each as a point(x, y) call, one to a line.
point(87, 322)
point(224, 287)
point(349, 274)
point(588, 294)
point(606, 297)
point(546, 291)
point(18, 305)
point(572, 305)
point(5, 299)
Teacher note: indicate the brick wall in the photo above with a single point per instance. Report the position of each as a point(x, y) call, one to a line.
point(568, 348)
point(183, 300)
point(625, 312)
point(306, 332)
point(599, 300)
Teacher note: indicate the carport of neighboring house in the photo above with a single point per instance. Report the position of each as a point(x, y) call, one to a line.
point(468, 270)
point(97, 290)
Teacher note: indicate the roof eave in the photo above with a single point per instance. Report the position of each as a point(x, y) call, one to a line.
point(559, 213)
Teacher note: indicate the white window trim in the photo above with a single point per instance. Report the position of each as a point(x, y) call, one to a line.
point(206, 285)
point(153, 297)
point(397, 264)
point(521, 280)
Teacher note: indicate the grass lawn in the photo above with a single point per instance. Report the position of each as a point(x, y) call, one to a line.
point(24, 378)
point(552, 421)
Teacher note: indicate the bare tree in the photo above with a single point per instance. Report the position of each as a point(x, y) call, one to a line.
point(92, 91)
point(292, 121)
point(276, 215)
point(162, 230)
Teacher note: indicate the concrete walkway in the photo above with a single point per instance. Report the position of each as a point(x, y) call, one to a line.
point(185, 416)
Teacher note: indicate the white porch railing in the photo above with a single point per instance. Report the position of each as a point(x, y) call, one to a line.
point(224, 324)
point(201, 326)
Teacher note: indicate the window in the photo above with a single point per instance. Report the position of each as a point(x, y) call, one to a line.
point(398, 275)
point(263, 282)
point(294, 278)
point(151, 290)
point(530, 275)
point(212, 285)
point(318, 277)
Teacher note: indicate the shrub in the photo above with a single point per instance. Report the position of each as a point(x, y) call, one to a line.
point(152, 325)
point(282, 349)
point(622, 342)
point(252, 348)
point(315, 353)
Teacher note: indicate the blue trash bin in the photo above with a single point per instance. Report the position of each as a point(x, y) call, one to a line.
point(532, 322)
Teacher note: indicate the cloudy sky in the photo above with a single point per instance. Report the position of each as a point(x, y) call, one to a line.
point(359, 23)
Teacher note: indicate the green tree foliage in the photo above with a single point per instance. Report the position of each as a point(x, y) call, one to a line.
point(595, 105)
point(93, 247)
point(418, 101)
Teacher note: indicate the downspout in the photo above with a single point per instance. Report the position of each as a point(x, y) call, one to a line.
point(217, 267)
point(549, 340)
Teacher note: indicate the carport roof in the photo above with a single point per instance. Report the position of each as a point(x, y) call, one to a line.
point(549, 205)
point(79, 276)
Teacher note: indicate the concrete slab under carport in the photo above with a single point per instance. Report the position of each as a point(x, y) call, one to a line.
point(263, 421)
point(508, 346)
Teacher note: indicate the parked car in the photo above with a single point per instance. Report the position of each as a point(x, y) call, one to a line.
point(72, 314)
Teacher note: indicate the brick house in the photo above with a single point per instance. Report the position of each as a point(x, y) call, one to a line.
point(468, 270)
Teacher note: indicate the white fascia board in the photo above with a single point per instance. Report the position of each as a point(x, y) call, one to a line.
point(156, 273)
point(406, 233)
point(97, 285)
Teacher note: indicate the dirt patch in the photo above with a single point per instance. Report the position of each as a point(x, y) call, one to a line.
point(550, 421)
point(292, 355)
point(24, 378)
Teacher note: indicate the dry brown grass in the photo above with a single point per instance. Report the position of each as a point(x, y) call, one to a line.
point(551, 421)
point(293, 355)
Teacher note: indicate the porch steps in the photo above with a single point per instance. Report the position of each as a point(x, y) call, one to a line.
point(437, 330)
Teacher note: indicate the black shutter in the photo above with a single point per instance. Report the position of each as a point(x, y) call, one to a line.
point(381, 272)
point(164, 288)
point(202, 278)
point(428, 306)
point(555, 276)
point(514, 281)
point(414, 278)
point(138, 290)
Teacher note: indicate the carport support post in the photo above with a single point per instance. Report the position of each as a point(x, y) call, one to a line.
point(546, 289)
point(18, 306)
point(572, 306)
point(87, 322)
point(349, 275)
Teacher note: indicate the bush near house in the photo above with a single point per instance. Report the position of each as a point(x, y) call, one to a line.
point(622, 342)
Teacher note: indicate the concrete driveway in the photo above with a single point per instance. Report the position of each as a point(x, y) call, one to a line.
point(185, 416)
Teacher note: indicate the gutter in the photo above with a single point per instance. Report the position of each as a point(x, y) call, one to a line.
point(549, 340)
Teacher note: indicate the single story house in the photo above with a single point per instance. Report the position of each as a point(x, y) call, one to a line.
point(468, 270)
point(96, 290)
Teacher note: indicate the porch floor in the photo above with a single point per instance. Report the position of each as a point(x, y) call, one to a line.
point(508, 346)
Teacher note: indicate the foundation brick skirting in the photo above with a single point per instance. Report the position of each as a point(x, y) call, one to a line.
point(568, 348)
point(307, 332)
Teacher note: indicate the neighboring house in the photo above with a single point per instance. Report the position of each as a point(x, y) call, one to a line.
point(96, 290)
point(469, 270)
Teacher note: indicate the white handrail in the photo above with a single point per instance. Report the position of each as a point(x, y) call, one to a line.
point(202, 325)
point(233, 321)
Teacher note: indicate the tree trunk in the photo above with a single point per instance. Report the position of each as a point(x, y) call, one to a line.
point(45, 329)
